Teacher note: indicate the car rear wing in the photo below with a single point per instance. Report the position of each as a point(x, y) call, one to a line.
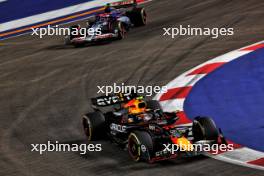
point(104, 101)
point(124, 4)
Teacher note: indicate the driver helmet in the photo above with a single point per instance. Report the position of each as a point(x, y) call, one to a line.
point(136, 106)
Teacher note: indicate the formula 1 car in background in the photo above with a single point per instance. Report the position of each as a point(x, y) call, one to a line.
point(143, 128)
point(114, 23)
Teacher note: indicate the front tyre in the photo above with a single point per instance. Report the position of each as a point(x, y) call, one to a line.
point(140, 146)
point(204, 128)
point(67, 40)
point(121, 30)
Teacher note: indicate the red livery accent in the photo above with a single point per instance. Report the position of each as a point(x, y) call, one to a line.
point(141, 1)
point(162, 158)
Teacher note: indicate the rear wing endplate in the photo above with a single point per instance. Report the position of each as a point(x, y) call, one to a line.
point(103, 101)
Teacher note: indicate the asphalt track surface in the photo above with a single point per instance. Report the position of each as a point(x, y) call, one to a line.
point(45, 87)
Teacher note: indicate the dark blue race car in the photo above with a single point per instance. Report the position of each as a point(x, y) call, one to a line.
point(114, 23)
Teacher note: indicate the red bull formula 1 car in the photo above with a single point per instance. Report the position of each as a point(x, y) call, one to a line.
point(118, 18)
point(145, 130)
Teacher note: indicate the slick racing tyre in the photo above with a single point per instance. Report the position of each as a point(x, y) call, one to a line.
point(204, 128)
point(121, 30)
point(94, 125)
point(140, 146)
point(67, 40)
point(138, 16)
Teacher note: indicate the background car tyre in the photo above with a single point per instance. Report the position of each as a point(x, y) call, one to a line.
point(119, 26)
point(94, 125)
point(204, 128)
point(140, 146)
point(67, 40)
point(138, 16)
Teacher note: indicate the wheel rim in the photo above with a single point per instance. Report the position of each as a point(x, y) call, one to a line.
point(134, 148)
point(121, 30)
point(144, 16)
point(87, 128)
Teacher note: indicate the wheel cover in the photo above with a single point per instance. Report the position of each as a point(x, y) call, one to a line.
point(144, 16)
point(87, 128)
point(121, 30)
point(134, 147)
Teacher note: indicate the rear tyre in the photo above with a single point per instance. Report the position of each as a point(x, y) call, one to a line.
point(204, 128)
point(94, 125)
point(140, 146)
point(138, 16)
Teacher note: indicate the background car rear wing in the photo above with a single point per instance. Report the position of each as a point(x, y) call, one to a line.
point(103, 101)
point(124, 4)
